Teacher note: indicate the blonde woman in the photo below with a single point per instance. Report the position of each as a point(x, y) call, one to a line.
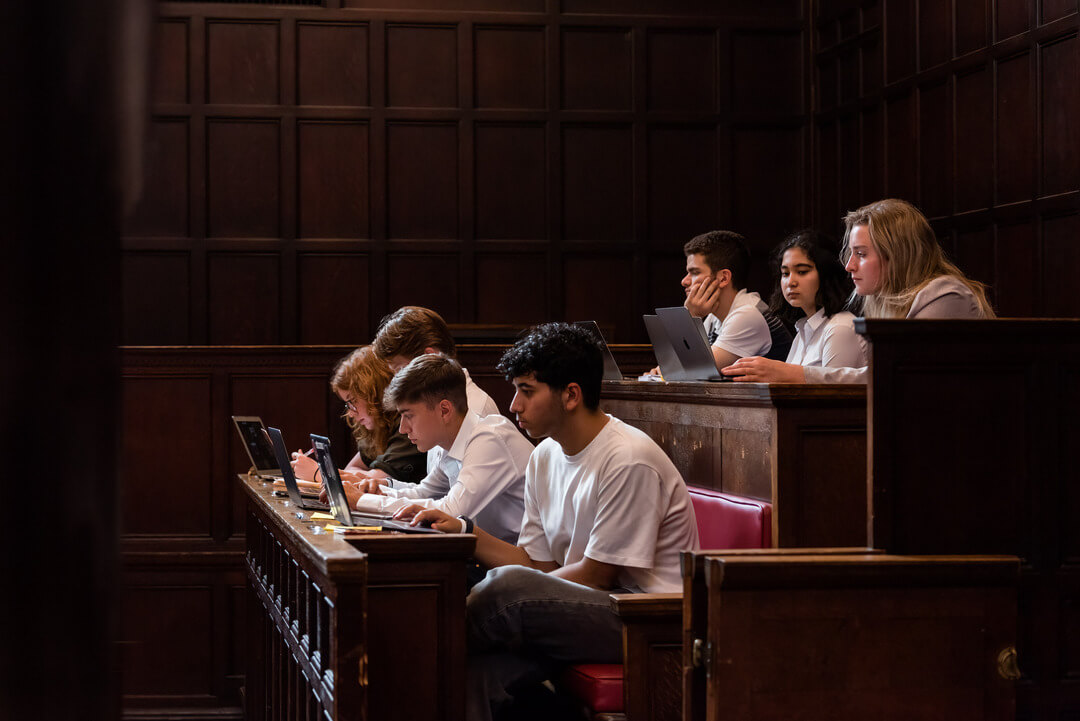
point(899, 271)
point(359, 381)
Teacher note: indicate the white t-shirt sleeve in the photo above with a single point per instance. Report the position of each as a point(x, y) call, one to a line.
point(744, 333)
point(532, 537)
point(628, 518)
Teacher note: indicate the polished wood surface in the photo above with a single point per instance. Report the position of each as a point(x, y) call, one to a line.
point(858, 636)
point(375, 619)
point(801, 447)
point(974, 433)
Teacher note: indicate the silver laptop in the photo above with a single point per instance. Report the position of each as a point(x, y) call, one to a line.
point(253, 434)
point(670, 367)
point(686, 334)
point(611, 368)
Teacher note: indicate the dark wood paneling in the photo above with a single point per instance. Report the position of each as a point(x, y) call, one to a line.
point(979, 135)
point(596, 69)
point(591, 277)
point(521, 278)
point(170, 84)
point(689, 57)
point(766, 73)
point(974, 146)
point(597, 183)
point(163, 206)
point(243, 178)
point(332, 64)
point(245, 298)
point(421, 66)
point(1061, 257)
point(334, 297)
point(683, 184)
point(509, 68)
point(1054, 9)
point(174, 627)
point(333, 183)
point(755, 194)
point(157, 294)
point(148, 506)
point(242, 62)
point(1015, 129)
point(1059, 67)
point(1011, 17)
point(510, 181)
point(434, 282)
point(422, 180)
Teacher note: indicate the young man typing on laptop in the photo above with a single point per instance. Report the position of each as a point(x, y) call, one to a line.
point(478, 468)
point(737, 322)
point(605, 509)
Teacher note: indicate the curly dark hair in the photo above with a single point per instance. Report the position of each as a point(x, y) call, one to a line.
point(722, 249)
point(834, 283)
point(558, 354)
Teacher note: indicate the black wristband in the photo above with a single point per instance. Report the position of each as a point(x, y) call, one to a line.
point(469, 525)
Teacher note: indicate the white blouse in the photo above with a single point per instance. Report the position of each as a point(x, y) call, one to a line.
point(827, 342)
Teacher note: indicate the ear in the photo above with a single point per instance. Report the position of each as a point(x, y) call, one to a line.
point(430, 351)
point(572, 397)
point(723, 278)
point(446, 410)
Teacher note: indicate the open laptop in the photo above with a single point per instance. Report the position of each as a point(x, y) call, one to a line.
point(611, 368)
point(281, 453)
point(253, 434)
point(670, 367)
point(339, 502)
point(687, 336)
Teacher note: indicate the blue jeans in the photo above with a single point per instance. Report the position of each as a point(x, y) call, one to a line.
point(523, 624)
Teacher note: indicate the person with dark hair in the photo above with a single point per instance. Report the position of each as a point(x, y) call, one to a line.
point(478, 469)
point(811, 291)
point(605, 509)
point(899, 270)
point(413, 331)
point(737, 322)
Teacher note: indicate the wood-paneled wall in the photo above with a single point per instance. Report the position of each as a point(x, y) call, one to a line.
point(968, 109)
point(502, 161)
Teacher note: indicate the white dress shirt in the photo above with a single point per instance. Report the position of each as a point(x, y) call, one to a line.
point(830, 342)
point(482, 476)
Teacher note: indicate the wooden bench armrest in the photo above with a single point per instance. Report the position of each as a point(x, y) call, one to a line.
point(647, 606)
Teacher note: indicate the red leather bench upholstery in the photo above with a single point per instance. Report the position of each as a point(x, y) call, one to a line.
point(723, 521)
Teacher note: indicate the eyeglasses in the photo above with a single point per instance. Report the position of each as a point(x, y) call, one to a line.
point(349, 406)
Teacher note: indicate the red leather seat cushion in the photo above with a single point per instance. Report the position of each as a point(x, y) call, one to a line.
point(727, 521)
point(597, 685)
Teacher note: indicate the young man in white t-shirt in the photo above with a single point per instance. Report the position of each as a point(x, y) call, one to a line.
point(479, 464)
point(605, 510)
point(737, 322)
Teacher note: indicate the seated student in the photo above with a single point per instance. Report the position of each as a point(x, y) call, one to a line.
point(481, 472)
point(737, 322)
point(605, 509)
point(899, 271)
point(412, 331)
point(359, 381)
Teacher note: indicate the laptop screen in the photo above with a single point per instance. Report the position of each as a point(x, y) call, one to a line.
point(339, 502)
point(255, 442)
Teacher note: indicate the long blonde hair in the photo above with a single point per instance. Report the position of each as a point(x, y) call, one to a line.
point(911, 258)
point(364, 376)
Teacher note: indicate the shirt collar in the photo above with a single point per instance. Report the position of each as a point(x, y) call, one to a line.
point(813, 321)
point(457, 450)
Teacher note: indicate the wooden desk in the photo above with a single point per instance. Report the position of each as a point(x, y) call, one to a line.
point(801, 447)
point(351, 629)
point(857, 636)
point(991, 409)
